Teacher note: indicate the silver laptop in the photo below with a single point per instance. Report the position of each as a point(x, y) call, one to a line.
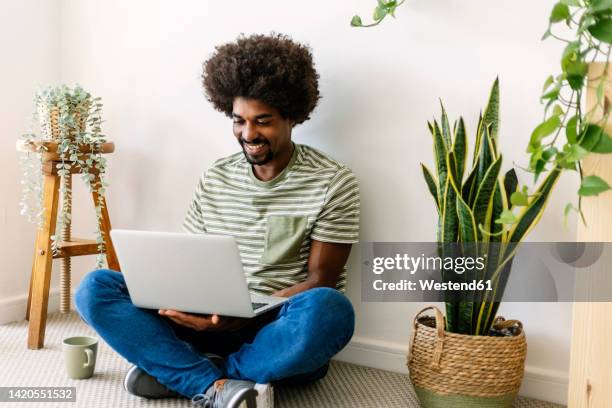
point(194, 273)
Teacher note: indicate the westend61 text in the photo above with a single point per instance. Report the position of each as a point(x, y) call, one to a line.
point(431, 284)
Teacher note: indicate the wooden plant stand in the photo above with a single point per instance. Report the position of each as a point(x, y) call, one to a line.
point(40, 279)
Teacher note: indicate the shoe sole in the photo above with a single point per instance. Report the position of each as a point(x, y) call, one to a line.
point(125, 380)
point(248, 395)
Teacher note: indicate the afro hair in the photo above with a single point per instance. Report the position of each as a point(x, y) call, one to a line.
point(271, 68)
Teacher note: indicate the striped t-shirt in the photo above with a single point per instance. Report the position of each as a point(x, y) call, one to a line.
point(274, 222)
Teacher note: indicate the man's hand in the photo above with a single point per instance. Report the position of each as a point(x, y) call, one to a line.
point(204, 322)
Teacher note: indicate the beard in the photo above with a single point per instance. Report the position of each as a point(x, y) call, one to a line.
point(258, 159)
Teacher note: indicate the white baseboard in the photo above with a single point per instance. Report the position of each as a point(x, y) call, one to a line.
point(539, 383)
point(14, 308)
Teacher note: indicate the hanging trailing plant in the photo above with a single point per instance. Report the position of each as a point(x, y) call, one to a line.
point(383, 9)
point(568, 132)
point(72, 118)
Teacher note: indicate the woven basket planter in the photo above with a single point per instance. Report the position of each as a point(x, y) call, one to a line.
point(458, 370)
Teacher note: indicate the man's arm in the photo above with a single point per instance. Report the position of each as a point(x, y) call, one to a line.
point(325, 264)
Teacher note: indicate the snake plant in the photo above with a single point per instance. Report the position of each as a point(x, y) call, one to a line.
point(475, 208)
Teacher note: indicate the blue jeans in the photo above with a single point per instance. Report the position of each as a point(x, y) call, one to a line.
point(291, 344)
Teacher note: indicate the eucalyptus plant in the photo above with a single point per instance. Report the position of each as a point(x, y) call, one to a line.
point(72, 117)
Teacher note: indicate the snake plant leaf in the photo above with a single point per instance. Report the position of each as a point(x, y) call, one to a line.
point(510, 185)
point(448, 228)
point(467, 224)
point(491, 113)
point(533, 212)
point(467, 191)
point(483, 203)
point(460, 151)
point(440, 153)
point(498, 207)
point(477, 143)
point(483, 164)
point(451, 164)
point(446, 134)
point(432, 185)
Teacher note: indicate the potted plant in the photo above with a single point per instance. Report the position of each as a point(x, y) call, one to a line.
point(471, 356)
point(70, 130)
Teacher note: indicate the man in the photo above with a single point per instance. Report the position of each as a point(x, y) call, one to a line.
point(294, 213)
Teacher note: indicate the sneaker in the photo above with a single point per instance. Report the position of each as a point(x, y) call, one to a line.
point(227, 393)
point(138, 382)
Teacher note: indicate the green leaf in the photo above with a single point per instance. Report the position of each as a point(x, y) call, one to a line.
point(596, 140)
point(604, 145)
point(484, 197)
point(571, 129)
point(592, 186)
point(491, 113)
point(547, 83)
point(444, 125)
point(559, 12)
point(356, 21)
point(575, 153)
point(460, 150)
point(591, 136)
point(467, 224)
point(519, 198)
point(572, 3)
point(558, 110)
point(601, 5)
point(448, 229)
point(506, 217)
point(510, 184)
point(440, 156)
point(530, 216)
point(379, 13)
point(431, 184)
point(602, 30)
point(552, 94)
point(544, 129)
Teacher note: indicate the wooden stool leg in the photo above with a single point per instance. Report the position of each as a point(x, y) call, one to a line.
point(105, 226)
point(43, 263)
point(31, 282)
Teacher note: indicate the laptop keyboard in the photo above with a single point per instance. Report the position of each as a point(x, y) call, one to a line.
point(258, 305)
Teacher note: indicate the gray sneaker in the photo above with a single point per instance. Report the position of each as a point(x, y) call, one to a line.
point(227, 393)
point(138, 382)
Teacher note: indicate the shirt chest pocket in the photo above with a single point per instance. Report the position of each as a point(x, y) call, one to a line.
point(283, 239)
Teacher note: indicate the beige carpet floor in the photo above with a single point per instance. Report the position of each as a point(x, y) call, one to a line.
point(345, 386)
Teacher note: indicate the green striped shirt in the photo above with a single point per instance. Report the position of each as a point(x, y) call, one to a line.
point(274, 222)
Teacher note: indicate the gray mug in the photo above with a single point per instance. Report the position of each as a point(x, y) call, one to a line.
point(80, 356)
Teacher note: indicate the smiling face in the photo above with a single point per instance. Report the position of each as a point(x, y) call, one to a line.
point(263, 133)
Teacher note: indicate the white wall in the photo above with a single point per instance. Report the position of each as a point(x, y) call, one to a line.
point(30, 57)
point(379, 88)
